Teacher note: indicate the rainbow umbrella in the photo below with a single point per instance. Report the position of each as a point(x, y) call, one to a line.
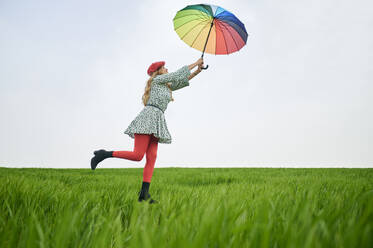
point(210, 29)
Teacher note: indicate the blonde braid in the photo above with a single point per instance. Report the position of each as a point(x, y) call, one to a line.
point(146, 95)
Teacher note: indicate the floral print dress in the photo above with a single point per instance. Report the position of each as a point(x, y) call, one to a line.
point(151, 119)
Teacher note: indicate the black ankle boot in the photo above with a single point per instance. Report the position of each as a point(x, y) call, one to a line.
point(99, 156)
point(144, 193)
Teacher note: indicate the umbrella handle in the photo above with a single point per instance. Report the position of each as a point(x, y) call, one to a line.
point(207, 66)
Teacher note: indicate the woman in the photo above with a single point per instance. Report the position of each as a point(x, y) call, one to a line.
point(149, 127)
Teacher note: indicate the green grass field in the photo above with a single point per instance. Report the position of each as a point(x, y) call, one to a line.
point(210, 207)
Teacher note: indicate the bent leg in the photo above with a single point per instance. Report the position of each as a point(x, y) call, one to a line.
point(151, 156)
point(141, 144)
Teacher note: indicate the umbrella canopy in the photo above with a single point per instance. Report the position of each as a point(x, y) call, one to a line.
point(210, 29)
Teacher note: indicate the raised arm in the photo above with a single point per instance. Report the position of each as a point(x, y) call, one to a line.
point(179, 75)
point(179, 78)
point(196, 72)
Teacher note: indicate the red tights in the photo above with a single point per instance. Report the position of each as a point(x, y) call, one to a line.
point(144, 143)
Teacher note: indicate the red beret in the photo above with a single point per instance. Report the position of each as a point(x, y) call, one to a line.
point(155, 66)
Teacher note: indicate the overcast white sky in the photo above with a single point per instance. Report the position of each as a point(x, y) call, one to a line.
point(299, 94)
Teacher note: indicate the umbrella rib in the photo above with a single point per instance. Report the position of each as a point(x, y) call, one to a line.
point(187, 23)
point(199, 34)
point(190, 30)
point(238, 27)
point(226, 47)
point(231, 36)
point(203, 6)
point(189, 15)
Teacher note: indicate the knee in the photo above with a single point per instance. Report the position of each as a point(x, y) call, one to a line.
point(138, 156)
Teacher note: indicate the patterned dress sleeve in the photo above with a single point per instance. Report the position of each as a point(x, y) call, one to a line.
point(178, 79)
